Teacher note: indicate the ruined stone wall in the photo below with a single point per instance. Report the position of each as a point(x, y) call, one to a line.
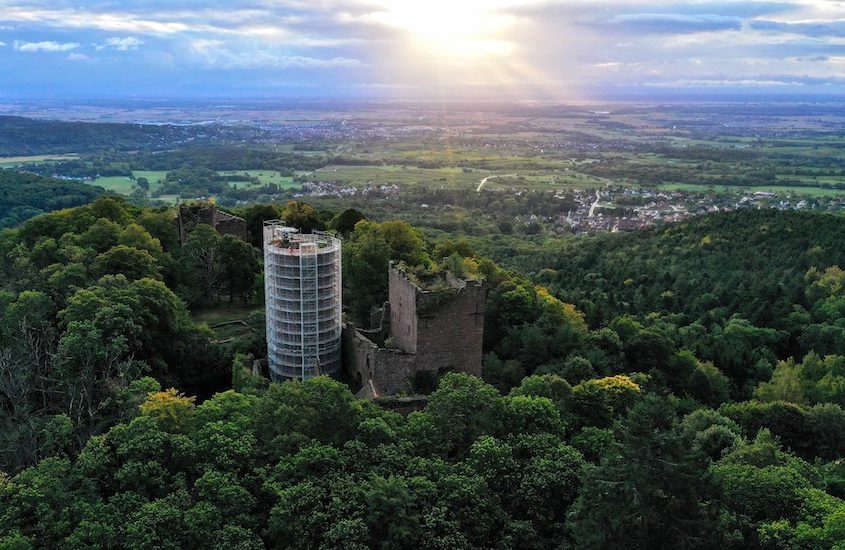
point(450, 329)
point(390, 371)
point(431, 331)
point(191, 215)
point(403, 310)
point(394, 372)
point(444, 328)
point(230, 225)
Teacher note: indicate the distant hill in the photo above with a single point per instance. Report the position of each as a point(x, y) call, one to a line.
point(23, 196)
point(751, 263)
point(25, 136)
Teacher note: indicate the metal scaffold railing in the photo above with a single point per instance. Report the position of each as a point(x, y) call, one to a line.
point(303, 294)
point(308, 310)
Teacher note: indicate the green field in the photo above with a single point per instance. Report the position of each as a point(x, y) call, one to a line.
point(124, 185)
point(564, 177)
point(10, 162)
point(469, 178)
point(397, 175)
point(264, 176)
point(119, 184)
point(226, 314)
point(155, 177)
point(779, 189)
point(223, 314)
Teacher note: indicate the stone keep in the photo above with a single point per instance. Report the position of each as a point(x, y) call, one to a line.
point(429, 331)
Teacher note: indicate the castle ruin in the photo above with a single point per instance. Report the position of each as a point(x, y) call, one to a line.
point(191, 215)
point(431, 331)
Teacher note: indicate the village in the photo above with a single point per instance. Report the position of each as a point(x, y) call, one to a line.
point(615, 208)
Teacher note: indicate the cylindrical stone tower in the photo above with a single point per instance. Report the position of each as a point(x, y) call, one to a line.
point(302, 283)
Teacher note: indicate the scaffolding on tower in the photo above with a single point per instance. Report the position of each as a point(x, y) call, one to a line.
point(303, 292)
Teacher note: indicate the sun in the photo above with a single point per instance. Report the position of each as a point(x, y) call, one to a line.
point(451, 28)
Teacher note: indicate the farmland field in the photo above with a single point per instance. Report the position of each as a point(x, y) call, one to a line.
point(266, 177)
point(779, 189)
point(124, 185)
point(119, 184)
point(155, 177)
point(7, 162)
point(532, 150)
point(468, 178)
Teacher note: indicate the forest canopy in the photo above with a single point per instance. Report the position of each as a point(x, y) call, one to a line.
point(23, 196)
point(655, 390)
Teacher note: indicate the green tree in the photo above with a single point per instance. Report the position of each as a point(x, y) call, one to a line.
point(365, 260)
point(126, 260)
point(170, 408)
point(101, 235)
point(650, 491)
point(597, 402)
point(461, 410)
point(255, 216)
point(239, 265)
point(293, 414)
point(301, 216)
point(201, 253)
point(160, 225)
point(137, 236)
point(709, 385)
point(344, 223)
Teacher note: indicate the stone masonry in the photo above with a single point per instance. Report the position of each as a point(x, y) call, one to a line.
point(190, 215)
point(430, 331)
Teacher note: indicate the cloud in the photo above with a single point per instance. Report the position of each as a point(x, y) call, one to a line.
point(122, 44)
point(672, 23)
point(73, 56)
point(47, 46)
point(104, 21)
point(218, 55)
point(558, 48)
point(2, 44)
point(749, 81)
point(814, 29)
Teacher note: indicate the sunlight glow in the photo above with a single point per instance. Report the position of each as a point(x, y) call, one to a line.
point(462, 29)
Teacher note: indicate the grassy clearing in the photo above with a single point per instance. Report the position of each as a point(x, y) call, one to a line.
point(119, 184)
point(506, 178)
point(779, 189)
point(155, 177)
point(264, 176)
point(543, 181)
point(226, 314)
point(124, 185)
point(399, 175)
point(15, 161)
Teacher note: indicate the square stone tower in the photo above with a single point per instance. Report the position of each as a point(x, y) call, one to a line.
point(442, 326)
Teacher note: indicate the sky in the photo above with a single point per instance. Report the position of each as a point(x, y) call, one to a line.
point(539, 50)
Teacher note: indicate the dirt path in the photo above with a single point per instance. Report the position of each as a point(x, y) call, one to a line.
point(481, 185)
point(595, 204)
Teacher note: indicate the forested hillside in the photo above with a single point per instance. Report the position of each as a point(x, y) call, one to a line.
point(677, 388)
point(752, 263)
point(27, 136)
point(736, 288)
point(23, 196)
point(93, 301)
